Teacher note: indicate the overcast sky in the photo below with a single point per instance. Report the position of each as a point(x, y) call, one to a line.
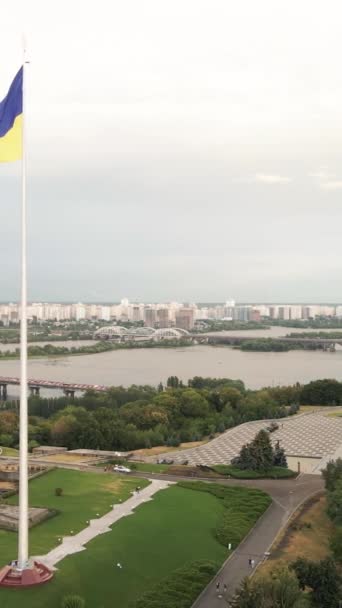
point(178, 149)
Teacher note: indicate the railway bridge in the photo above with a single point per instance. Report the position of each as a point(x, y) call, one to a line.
point(69, 388)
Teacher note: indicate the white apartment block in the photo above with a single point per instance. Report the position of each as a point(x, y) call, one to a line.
point(137, 312)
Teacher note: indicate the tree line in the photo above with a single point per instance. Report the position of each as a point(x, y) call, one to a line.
point(141, 416)
point(276, 345)
point(145, 416)
point(49, 350)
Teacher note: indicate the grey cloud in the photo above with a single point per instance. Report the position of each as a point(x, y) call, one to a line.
point(331, 184)
point(272, 179)
point(136, 145)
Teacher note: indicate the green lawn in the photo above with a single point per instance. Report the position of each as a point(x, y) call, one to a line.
point(84, 495)
point(179, 526)
point(9, 452)
point(274, 473)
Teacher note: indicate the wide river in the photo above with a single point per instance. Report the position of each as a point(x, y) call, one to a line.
point(150, 366)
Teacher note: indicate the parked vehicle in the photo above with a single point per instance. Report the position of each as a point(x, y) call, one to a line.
point(118, 468)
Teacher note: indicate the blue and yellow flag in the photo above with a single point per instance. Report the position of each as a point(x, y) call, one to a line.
point(11, 110)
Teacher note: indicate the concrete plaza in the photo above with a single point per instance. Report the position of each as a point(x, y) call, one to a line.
point(316, 435)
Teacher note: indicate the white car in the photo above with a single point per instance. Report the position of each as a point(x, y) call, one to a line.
point(118, 468)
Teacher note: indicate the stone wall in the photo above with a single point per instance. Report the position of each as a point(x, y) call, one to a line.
point(9, 517)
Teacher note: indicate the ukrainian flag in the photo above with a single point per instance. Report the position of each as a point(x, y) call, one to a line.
point(11, 117)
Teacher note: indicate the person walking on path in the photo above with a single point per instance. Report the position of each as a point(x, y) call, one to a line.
point(218, 586)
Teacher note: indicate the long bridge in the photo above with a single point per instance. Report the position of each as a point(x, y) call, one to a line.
point(69, 388)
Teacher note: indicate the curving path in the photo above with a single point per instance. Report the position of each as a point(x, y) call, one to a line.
point(287, 497)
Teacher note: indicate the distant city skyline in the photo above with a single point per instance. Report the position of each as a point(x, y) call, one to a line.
point(160, 315)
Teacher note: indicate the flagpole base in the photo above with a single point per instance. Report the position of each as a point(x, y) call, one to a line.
point(35, 574)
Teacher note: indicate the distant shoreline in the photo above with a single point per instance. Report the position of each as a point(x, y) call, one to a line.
point(50, 351)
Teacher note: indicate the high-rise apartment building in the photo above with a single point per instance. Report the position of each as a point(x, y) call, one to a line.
point(201, 313)
point(150, 317)
point(185, 318)
point(136, 313)
point(162, 318)
point(79, 311)
point(274, 312)
point(295, 312)
point(284, 313)
point(241, 313)
point(254, 315)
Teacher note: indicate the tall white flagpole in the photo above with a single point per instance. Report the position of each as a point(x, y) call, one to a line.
point(23, 549)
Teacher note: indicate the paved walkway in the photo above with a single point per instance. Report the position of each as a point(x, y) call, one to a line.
point(314, 435)
point(287, 497)
point(74, 544)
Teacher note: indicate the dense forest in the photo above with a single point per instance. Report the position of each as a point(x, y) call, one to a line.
point(145, 416)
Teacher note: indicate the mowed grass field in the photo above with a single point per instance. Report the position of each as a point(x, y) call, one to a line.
point(149, 467)
point(84, 495)
point(173, 529)
point(180, 525)
point(9, 452)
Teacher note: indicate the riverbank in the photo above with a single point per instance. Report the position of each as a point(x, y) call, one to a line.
point(252, 345)
point(49, 350)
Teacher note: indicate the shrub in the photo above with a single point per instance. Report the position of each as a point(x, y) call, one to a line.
point(273, 427)
point(278, 589)
point(6, 440)
point(181, 588)
point(32, 444)
point(334, 509)
point(243, 507)
point(72, 601)
point(274, 473)
point(336, 544)
point(257, 455)
point(173, 441)
point(332, 474)
point(322, 577)
point(58, 491)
